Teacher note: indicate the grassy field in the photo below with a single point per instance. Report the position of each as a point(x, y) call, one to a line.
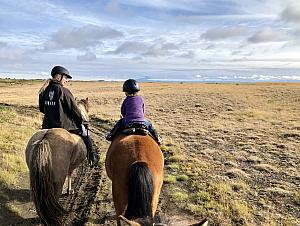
point(231, 150)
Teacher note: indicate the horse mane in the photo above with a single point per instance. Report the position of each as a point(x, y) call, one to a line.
point(83, 105)
point(44, 86)
point(140, 192)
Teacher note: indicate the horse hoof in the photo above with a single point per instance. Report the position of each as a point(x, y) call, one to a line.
point(71, 192)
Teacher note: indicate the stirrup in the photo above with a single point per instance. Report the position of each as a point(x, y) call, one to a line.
point(93, 159)
point(109, 137)
point(159, 140)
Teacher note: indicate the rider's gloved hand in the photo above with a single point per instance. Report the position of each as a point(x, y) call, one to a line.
point(86, 124)
point(84, 130)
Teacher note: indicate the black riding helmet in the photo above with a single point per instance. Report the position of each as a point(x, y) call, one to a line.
point(60, 70)
point(131, 86)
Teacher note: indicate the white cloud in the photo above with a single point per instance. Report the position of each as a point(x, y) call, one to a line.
point(131, 47)
point(292, 12)
point(3, 44)
point(209, 47)
point(13, 55)
point(115, 8)
point(224, 33)
point(33, 7)
point(161, 49)
point(188, 55)
point(88, 56)
point(268, 35)
point(81, 37)
point(149, 49)
point(166, 4)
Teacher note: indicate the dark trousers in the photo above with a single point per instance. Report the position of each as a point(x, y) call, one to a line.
point(88, 143)
point(151, 128)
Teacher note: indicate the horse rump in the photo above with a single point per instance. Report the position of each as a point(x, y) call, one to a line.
point(140, 191)
point(42, 185)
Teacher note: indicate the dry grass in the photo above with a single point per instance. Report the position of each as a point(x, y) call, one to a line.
point(232, 150)
point(16, 129)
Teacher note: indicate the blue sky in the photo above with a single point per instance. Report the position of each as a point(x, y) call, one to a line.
point(157, 39)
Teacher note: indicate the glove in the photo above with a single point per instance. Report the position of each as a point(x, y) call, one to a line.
point(84, 131)
point(86, 124)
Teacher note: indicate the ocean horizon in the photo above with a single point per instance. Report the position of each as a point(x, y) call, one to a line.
point(197, 78)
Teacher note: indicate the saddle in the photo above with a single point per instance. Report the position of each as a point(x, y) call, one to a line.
point(135, 128)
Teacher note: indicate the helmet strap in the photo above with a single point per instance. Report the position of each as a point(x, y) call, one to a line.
point(57, 78)
point(61, 77)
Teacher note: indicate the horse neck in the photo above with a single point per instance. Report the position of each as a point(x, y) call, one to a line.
point(83, 112)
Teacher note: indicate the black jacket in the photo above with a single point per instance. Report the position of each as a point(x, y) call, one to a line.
point(59, 108)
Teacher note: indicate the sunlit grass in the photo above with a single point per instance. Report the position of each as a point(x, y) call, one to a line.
point(15, 132)
point(170, 179)
point(179, 196)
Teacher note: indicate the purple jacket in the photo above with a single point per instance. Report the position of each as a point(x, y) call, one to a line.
point(133, 109)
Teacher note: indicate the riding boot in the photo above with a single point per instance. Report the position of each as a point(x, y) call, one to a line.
point(111, 135)
point(92, 157)
point(155, 135)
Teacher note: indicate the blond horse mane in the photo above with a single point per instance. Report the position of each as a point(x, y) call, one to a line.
point(44, 86)
point(83, 112)
point(83, 106)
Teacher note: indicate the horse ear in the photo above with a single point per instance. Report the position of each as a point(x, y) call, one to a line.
point(87, 99)
point(125, 222)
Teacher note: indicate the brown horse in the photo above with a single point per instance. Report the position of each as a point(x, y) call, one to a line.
point(135, 165)
point(51, 156)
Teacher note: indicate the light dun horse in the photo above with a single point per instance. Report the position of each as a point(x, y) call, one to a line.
point(51, 156)
point(135, 165)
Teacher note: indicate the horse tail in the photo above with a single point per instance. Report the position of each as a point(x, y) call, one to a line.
point(42, 185)
point(140, 191)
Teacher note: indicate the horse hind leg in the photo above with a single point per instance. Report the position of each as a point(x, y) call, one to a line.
point(119, 193)
point(157, 189)
point(70, 190)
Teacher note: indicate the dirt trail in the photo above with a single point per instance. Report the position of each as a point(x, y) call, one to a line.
point(92, 202)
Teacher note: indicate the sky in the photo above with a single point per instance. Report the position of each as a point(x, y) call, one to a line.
point(193, 40)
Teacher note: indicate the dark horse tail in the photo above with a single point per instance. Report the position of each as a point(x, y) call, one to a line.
point(42, 185)
point(140, 191)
